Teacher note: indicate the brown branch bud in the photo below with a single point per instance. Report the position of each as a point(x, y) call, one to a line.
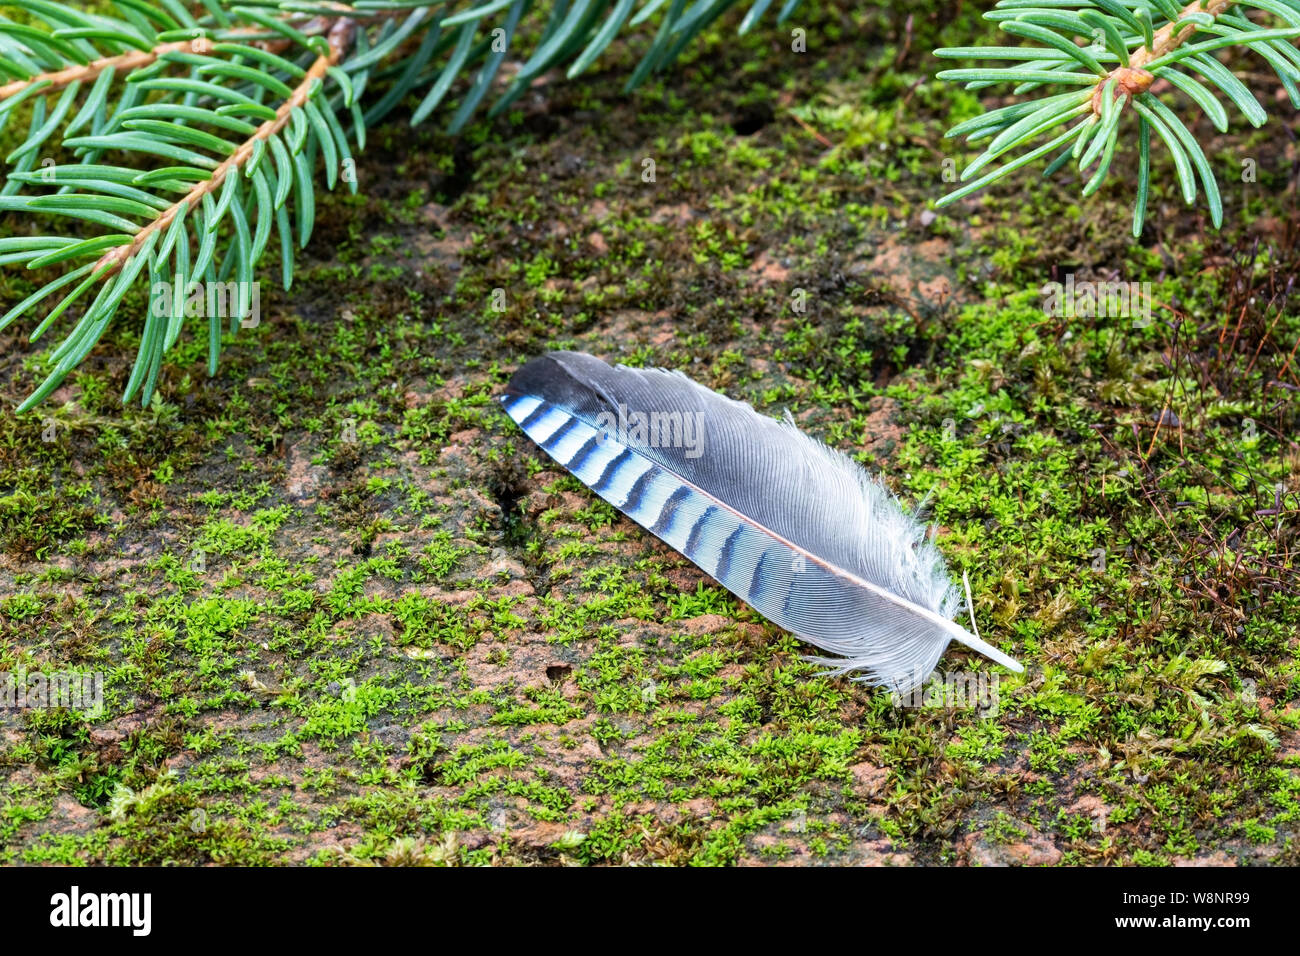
point(1134, 78)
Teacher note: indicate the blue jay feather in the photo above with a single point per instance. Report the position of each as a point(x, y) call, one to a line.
point(795, 529)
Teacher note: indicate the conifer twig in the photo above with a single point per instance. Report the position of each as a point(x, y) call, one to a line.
point(340, 36)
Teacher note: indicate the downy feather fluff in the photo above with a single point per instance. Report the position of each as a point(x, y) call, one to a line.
point(795, 529)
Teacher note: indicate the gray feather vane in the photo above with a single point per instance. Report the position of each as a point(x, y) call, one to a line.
point(795, 529)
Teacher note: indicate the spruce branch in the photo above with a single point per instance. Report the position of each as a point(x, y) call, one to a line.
point(1116, 53)
point(187, 134)
point(340, 36)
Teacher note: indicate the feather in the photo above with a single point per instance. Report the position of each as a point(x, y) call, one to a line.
point(797, 530)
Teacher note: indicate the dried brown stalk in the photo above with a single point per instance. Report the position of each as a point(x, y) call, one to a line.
point(82, 74)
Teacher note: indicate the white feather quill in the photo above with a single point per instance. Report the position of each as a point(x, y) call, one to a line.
point(797, 530)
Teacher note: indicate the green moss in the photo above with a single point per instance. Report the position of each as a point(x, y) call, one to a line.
point(409, 639)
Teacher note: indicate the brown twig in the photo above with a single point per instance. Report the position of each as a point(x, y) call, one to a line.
point(137, 59)
point(81, 74)
point(809, 128)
